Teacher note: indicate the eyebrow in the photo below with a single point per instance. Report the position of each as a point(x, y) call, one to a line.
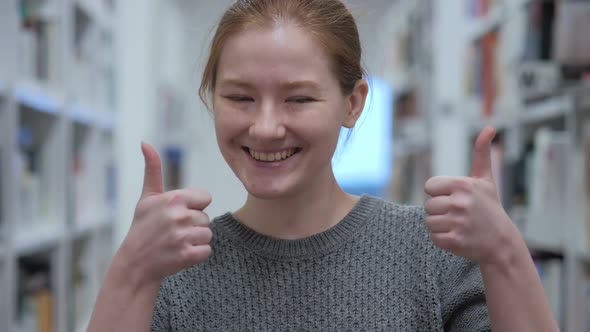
point(285, 85)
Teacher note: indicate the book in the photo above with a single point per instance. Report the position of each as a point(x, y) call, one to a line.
point(540, 21)
point(572, 33)
point(34, 296)
point(483, 72)
point(546, 171)
point(551, 273)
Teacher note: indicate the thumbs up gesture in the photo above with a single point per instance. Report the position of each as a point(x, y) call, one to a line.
point(465, 215)
point(169, 231)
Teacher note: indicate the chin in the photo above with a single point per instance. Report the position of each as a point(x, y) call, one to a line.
point(268, 192)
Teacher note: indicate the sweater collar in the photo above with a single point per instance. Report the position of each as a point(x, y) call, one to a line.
point(316, 245)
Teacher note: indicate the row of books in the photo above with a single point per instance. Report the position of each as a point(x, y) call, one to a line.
point(31, 171)
point(536, 183)
point(35, 307)
point(89, 71)
point(556, 41)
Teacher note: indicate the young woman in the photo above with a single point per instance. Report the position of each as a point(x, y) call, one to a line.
point(283, 77)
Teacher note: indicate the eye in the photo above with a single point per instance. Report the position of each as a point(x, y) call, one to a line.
point(239, 98)
point(300, 100)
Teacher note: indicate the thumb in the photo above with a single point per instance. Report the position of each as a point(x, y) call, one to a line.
point(482, 164)
point(152, 180)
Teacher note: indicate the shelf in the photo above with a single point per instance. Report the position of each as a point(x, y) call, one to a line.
point(89, 225)
point(536, 246)
point(499, 121)
point(107, 121)
point(38, 236)
point(480, 26)
point(405, 147)
point(547, 110)
point(37, 98)
point(83, 115)
point(90, 117)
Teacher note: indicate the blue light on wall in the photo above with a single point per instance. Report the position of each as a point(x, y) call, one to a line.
point(363, 163)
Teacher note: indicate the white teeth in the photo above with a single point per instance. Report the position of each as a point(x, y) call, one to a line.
point(274, 156)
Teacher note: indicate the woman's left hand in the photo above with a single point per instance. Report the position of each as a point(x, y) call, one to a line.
point(465, 215)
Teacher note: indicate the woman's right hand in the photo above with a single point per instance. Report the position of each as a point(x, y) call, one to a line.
point(169, 232)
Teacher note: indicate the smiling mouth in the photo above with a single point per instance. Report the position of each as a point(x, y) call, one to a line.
point(270, 157)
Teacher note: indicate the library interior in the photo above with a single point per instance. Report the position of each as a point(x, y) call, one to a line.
point(84, 82)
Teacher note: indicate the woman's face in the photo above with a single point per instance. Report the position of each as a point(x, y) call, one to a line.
point(278, 110)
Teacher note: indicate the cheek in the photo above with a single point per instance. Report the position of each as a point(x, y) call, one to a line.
point(227, 122)
point(324, 133)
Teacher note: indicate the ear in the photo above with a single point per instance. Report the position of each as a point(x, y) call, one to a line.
point(355, 103)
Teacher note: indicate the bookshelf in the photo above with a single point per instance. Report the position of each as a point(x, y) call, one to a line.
point(408, 67)
point(57, 166)
point(509, 71)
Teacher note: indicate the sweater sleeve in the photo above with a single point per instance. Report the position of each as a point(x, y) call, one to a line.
point(462, 295)
point(161, 315)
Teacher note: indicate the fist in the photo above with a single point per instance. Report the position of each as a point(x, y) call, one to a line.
point(464, 214)
point(170, 231)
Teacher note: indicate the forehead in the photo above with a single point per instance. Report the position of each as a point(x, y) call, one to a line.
point(281, 53)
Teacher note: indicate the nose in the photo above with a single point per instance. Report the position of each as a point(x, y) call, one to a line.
point(268, 124)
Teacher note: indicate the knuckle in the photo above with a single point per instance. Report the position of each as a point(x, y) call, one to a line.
point(207, 234)
point(456, 241)
point(186, 256)
point(430, 183)
point(178, 216)
point(459, 202)
point(463, 183)
point(461, 222)
point(178, 237)
point(205, 252)
point(201, 194)
point(174, 198)
point(201, 219)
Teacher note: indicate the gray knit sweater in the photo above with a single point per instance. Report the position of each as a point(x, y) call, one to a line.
point(377, 270)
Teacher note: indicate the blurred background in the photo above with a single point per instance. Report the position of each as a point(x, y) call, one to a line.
point(83, 82)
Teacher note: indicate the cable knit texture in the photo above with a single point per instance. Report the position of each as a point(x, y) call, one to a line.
point(376, 270)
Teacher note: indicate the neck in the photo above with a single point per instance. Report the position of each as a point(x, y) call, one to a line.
point(311, 211)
